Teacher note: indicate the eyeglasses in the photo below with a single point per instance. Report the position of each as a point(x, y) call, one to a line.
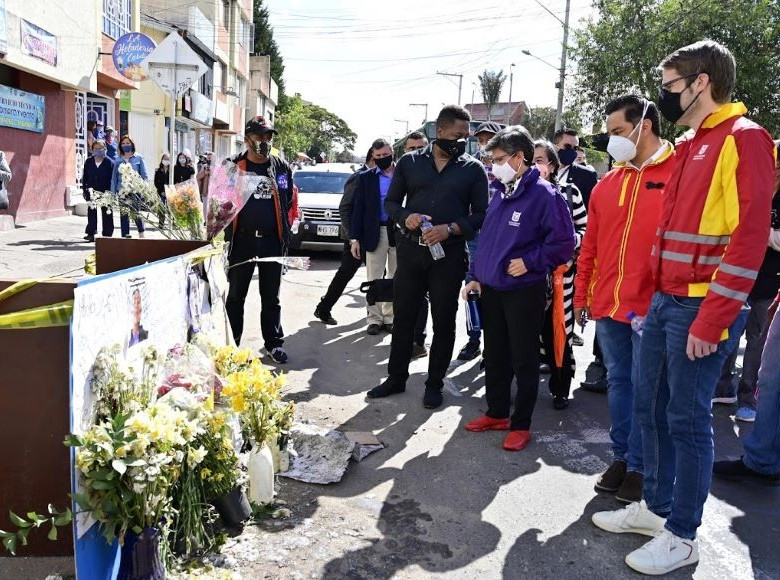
point(667, 84)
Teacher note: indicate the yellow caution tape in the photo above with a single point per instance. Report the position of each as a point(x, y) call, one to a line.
point(38, 317)
point(198, 256)
point(90, 264)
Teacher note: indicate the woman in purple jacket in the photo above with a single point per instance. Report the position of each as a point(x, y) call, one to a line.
point(527, 233)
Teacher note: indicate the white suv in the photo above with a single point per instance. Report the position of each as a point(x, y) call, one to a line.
point(320, 188)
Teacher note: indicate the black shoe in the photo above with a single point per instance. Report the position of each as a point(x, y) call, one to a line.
point(324, 317)
point(470, 351)
point(544, 369)
point(738, 471)
point(388, 327)
point(373, 329)
point(278, 355)
point(387, 388)
point(595, 378)
point(433, 398)
point(576, 340)
point(560, 402)
point(418, 351)
point(600, 387)
point(127, 237)
point(612, 478)
point(89, 238)
point(631, 489)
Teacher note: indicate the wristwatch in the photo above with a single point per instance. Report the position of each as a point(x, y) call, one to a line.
point(451, 229)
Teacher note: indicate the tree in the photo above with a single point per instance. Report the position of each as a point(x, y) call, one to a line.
point(540, 122)
point(490, 84)
point(312, 129)
point(345, 156)
point(264, 43)
point(619, 50)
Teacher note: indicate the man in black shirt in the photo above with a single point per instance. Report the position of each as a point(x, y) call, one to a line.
point(444, 185)
point(261, 230)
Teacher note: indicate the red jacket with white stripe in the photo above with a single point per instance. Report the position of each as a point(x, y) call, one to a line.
point(715, 222)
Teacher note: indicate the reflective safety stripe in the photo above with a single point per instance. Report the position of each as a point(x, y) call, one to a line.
point(677, 256)
point(737, 271)
point(697, 238)
point(709, 260)
point(728, 292)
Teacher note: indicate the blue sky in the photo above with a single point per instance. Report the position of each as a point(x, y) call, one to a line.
point(367, 61)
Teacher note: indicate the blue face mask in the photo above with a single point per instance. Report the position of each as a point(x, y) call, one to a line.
point(127, 148)
point(99, 153)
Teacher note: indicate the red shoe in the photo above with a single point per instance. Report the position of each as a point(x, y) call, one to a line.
point(485, 423)
point(517, 440)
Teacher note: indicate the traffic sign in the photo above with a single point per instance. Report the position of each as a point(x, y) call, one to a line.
point(174, 66)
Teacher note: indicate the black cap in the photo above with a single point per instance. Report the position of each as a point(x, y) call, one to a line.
point(258, 125)
point(489, 127)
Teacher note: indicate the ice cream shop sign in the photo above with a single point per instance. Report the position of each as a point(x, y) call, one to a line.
point(128, 53)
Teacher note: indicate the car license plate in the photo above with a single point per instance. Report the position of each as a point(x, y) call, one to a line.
point(327, 230)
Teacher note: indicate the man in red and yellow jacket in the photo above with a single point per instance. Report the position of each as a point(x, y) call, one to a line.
point(708, 249)
point(614, 281)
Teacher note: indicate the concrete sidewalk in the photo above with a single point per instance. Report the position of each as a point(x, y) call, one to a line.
point(439, 502)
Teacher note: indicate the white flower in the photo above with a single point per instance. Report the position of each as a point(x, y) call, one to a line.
point(195, 456)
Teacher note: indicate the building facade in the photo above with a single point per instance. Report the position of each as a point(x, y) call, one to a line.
point(56, 74)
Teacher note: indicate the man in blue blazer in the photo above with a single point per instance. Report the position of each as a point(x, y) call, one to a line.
point(372, 230)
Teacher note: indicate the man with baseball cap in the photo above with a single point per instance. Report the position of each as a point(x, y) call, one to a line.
point(261, 230)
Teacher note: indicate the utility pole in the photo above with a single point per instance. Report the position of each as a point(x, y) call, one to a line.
point(425, 120)
point(509, 106)
point(403, 121)
point(559, 111)
point(460, 81)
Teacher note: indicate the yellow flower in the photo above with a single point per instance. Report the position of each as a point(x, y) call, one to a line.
point(238, 403)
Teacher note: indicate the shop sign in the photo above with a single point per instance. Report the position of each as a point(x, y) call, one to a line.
point(129, 51)
point(38, 43)
point(20, 110)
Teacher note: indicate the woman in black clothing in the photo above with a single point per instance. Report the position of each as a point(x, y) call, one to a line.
point(183, 170)
point(161, 179)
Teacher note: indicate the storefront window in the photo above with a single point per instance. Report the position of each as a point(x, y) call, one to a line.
point(117, 17)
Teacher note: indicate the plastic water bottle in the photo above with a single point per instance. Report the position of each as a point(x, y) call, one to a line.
point(637, 322)
point(436, 250)
point(473, 317)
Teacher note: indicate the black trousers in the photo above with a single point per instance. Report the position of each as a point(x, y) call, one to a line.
point(512, 321)
point(417, 274)
point(422, 322)
point(107, 219)
point(560, 378)
point(347, 270)
point(269, 281)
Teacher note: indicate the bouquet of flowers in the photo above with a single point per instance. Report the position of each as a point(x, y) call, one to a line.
point(219, 470)
point(229, 190)
point(183, 199)
point(189, 368)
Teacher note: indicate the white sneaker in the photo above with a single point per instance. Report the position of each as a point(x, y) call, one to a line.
point(633, 519)
point(664, 553)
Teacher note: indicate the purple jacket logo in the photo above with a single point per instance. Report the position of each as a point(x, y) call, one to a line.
point(282, 181)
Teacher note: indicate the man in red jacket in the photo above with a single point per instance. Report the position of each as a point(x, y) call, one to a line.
point(625, 208)
point(705, 259)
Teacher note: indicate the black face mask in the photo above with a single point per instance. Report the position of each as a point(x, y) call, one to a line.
point(669, 105)
point(384, 162)
point(452, 147)
point(263, 148)
point(567, 156)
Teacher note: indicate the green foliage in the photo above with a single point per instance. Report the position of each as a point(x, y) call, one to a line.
point(264, 43)
point(620, 47)
point(490, 84)
point(312, 129)
point(55, 519)
point(540, 122)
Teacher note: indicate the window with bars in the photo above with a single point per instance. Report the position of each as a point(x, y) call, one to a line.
point(117, 17)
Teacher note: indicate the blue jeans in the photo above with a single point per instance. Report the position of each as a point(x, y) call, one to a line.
point(474, 336)
point(620, 349)
point(762, 446)
point(673, 405)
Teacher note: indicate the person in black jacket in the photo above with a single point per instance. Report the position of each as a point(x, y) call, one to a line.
point(373, 232)
point(349, 264)
point(161, 179)
point(184, 169)
point(261, 230)
point(98, 170)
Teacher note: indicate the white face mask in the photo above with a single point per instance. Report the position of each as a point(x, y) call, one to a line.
point(504, 172)
point(166, 162)
point(623, 149)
